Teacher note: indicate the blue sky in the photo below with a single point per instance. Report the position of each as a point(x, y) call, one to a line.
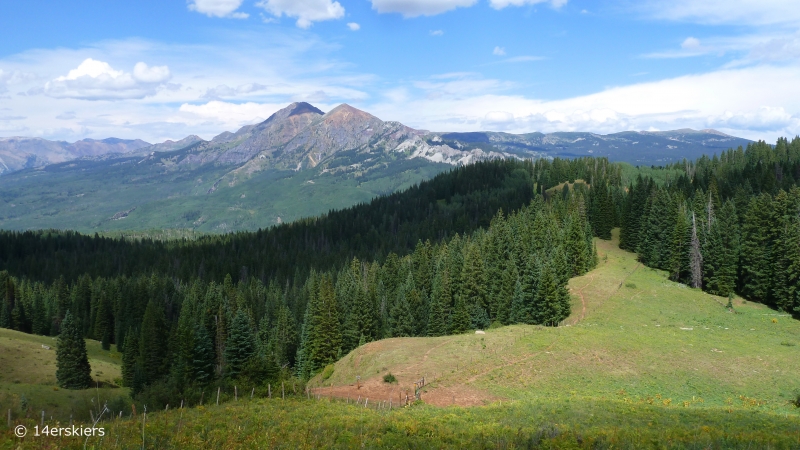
point(160, 70)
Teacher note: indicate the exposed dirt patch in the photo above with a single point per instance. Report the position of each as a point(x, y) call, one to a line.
point(375, 390)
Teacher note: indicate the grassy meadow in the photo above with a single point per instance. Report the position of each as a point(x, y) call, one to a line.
point(28, 378)
point(642, 362)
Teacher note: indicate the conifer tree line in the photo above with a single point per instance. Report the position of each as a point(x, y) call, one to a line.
point(176, 335)
point(460, 201)
point(728, 224)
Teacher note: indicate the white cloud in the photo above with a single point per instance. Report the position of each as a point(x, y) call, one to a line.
point(499, 51)
point(306, 11)
point(756, 102)
point(690, 43)
point(776, 49)
point(748, 12)
point(353, 26)
point(97, 80)
point(437, 32)
point(230, 115)
point(500, 4)
point(415, 8)
point(155, 74)
point(218, 8)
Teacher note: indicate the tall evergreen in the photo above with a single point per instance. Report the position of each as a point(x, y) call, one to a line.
point(72, 362)
point(240, 346)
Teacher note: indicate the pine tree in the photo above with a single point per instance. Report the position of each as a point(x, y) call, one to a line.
point(152, 343)
point(401, 318)
point(437, 320)
point(460, 320)
point(72, 363)
point(240, 346)
point(203, 356)
point(324, 335)
point(130, 356)
point(722, 251)
point(757, 248)
point(524, 306)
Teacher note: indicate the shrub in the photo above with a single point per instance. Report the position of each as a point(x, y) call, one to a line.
point(389, 378)
point(327, 371)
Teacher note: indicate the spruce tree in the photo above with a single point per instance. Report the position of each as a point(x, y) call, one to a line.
point(240, 346)
point(722, 251)
point(460, 320)
point(72, 363)
point(437, 320)
point(202, 356)
point(130, 356)
point(152, 343)
point(401, 318)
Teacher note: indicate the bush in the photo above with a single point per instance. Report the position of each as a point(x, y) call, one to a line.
point(327, 371)
point(389, 378)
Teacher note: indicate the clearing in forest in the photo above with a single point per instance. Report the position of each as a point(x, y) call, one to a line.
point(633, 336)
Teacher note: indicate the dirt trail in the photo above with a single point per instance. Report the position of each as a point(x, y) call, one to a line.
point(583, 301)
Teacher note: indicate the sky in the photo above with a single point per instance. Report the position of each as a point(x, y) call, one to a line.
point(165, 69)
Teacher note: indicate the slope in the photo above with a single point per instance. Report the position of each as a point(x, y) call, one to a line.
point(28, 377)
point(641, 339)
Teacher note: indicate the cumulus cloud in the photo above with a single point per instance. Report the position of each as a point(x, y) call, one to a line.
point(415, 8)
point(353, 26)
point(97, 80)
point(499, 51)
point(437, 32)
point(306, 11)
point(500, 4)
point(218, 8)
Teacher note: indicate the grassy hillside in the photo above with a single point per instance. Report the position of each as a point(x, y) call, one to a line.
point(641, 363)
point(633, 336)
point(28, 378)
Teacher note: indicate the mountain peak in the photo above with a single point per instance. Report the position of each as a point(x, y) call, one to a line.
point(349, 113)
point(298, 108)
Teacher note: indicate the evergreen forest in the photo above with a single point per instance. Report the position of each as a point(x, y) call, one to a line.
point(485, 245)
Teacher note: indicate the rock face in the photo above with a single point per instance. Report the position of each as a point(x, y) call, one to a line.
point(301, 136)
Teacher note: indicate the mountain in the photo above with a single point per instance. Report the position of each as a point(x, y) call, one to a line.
point(17, 153)
point(299, 162)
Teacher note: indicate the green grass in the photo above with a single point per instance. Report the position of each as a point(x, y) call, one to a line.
point(28, 377)
point(565, 422)
point(643, 338)
point(648, 364)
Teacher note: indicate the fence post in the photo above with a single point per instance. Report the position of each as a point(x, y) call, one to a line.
point(269, 390)
point(236, 393)
point(283, 391)
point(42, 418)
point(9, 418)
point(218, 388)
point(252, 392)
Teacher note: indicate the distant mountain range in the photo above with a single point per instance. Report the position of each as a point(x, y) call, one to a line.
point(299, 162)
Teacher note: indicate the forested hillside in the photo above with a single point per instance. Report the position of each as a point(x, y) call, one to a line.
point(459, 201)
point(485, 245)
point(439, 258)
point(728, 224)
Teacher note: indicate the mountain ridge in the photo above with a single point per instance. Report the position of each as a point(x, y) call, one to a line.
point(303, 136)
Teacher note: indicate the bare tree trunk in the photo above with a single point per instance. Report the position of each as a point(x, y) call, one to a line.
point(696, 258)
